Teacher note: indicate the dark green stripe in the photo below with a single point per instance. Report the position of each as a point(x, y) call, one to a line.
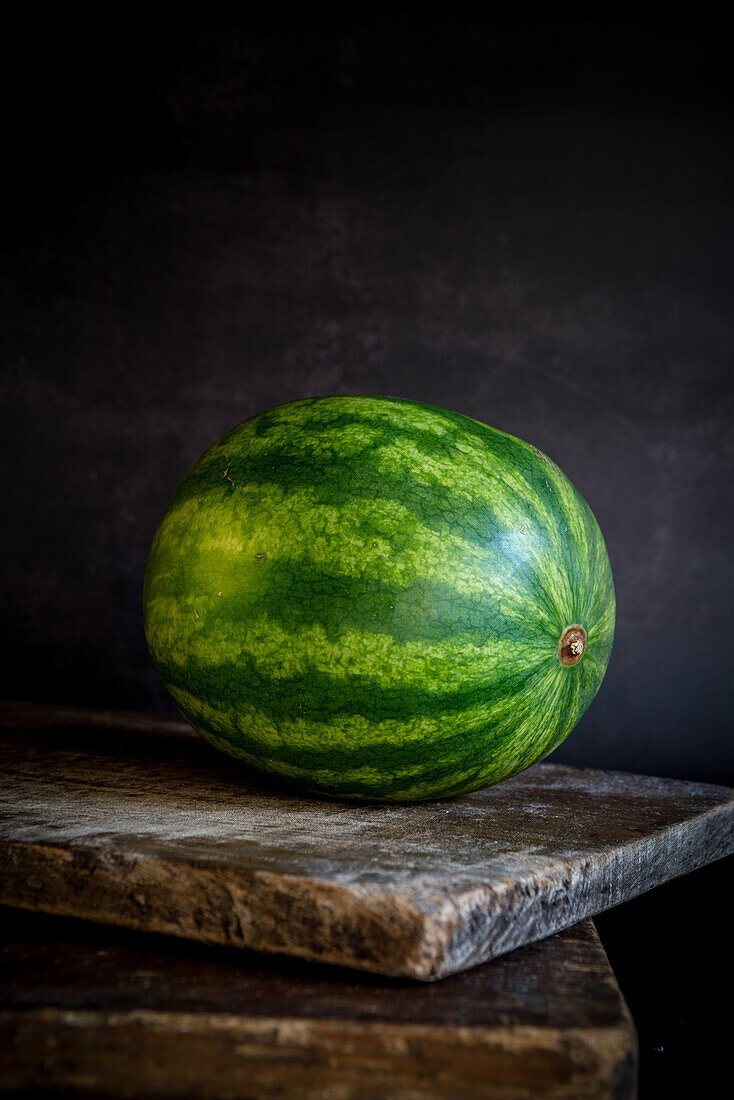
point(297, 593)
point(323, 697)
point(335, 477)
point(319, 697)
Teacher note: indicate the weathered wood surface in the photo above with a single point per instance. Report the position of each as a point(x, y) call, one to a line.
point(157, 831)
point(96, 1012)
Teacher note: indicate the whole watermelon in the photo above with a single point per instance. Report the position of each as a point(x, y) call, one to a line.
point(379, 599)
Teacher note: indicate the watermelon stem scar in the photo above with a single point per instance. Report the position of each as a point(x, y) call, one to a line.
point(572, 645)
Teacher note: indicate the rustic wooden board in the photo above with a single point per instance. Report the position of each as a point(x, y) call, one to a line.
point(138, 823)
point(111, 1013)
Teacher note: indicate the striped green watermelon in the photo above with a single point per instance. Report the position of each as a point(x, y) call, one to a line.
point(378, 599)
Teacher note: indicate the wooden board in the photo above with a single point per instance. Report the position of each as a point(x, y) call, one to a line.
point(100, 1012)
point(138, 823)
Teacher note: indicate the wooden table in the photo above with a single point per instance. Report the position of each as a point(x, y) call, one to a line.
point(136, 822)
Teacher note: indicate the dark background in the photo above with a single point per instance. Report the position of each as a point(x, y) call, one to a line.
point(529, 222)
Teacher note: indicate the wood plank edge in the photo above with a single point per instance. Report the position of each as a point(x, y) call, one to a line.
point(256, 910)
point(16, 714)
point(487, 921)
point(208, 1055)
point(423, 934)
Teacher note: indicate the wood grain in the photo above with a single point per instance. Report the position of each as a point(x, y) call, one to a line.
point(92, 1011)
point(147, 827)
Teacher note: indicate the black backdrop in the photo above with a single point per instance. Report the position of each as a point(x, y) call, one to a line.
point(529, 222)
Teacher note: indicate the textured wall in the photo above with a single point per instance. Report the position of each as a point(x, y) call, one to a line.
point(529, 223)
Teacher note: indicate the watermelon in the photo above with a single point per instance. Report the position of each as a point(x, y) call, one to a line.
point(377, 599)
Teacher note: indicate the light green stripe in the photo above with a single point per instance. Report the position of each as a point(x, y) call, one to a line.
point(281, 653)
